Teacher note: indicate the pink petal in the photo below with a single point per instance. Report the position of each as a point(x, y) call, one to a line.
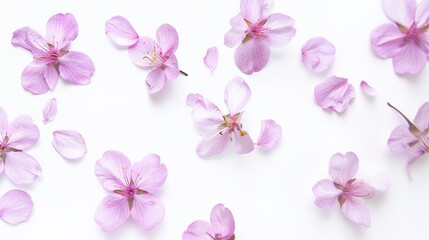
point(121, 32)
point(386, 39)
point(409, 59)
point(197, 231)
point(252, 56)
point(213, 145)
point(23, 133)
point(171, 68)
point(21, 168)
point(76, 67)
point(413, 154)
point(400, 11)
point(20, 39)
point(112, 212)
point(422, 13)
point(342, 168)
point(4, 123)
point(61, 30)
point(270, 134)
point(1, 166)
point(361, 189)
point(237, 94)
point(366, 88)
point(69, 144)
point(318, 54)
point(50, 110)
point(211, 58)
point(356, 212)
point(15, 206)
point(51, 76)
point(112, 169)
point(326, 193)
point(145, 53)
point(168, 39)
point(280, 29)
point(147, 211)
point(204, 112)
point(150, 172)
point(422, 117)
point(334, 94)
point(237, 32)
point(400, 139)
point(254, 10)
point(222, 221)
point(33, 78)
point(243, 142)
point(155, 80)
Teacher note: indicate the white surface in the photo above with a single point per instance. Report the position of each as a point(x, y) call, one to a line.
point(269, 193)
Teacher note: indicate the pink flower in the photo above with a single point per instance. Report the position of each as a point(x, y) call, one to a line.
point(318, 54)
point(406, 40)
point(158, 56)
point(345, 188)
point(334, 94)
point(221, 226)
point(15, 206)
point(256, 30)
point(411, 139)
point(16, 137)
point(52, 57)
point(131, 190)
point(228, 126)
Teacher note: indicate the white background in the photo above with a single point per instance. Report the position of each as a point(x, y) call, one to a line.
point(269, 193)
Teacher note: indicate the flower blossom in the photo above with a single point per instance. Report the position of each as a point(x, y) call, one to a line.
point(15, 138)
point(228, 126)
point(52, 57)
point(413, 140)
point(344, 188)
point(221, 226)
point(131, 190)
point(406, 40)
point(156, 55)
point(15, 206)
point(255, 29)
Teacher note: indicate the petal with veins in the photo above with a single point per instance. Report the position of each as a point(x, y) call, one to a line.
point(211, 58)
point(386, 39)
point(222, 221)
point(409, 59)
point(243, 142)
point(334, 94)
point(252, 56)
point(168, 39)
point(121, 32)
point(342, 168)
point(237, 94)
point(147, 211)
point(356, 212)
point(112, 169)
point(326, 193)
point(21, 168)
point(69, 144)
point(61, 30)
point(318, 54)
point(215, 144)
point(76, 68)
point(151, 174)
point(50, 110)
point(33, 78)
point(280, 29)
point(23, 133)
point(112, 212)
point(15, 206)
point(270, 134)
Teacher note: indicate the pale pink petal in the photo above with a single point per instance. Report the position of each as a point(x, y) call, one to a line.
point(150, 172)
point(413, 154)
point(61, 30)
point(237, 32)
point(112, 212)
point(204, 112)
point(318, 54)
point(211, 58)
point(243, 142)
point(21, 168)
point(1, 165)
point(69, 144)
point(197, 231)
point(237, 94)
point(147, 211)
point(342, 168)
point(254, 10)
point(356, 212)
point(121, 32)
point(76, 67)
point(280, 29)
point(252, 56)
point(334, 94)
point(51, 75)
point(409, 59)
point(361, 189)
point(386, 39)
point(33, 78)
point(378, 181)
point(15, 206)
point(155, 80)
point(112, 169)
point(422, 117)
point(222, 221)
point(270, 134)
point(326, 193)
point(168, 39)
point(171, 68)
point(213, 145)
point(50, 110)
point(422, 13)
point(400, 11)
point(4, 123)
point(23, 133)
point(400, 139)
point(367, 89)
point(20, 39)
point(145, 53)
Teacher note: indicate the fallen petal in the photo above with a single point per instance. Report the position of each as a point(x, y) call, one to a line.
point(334, 94)
point(121, 32)
point(318, 54)
point(270, 134)
point(15, 206)
point(50, 110)
point(69, 144)
point(366, 88)
point(211, 58)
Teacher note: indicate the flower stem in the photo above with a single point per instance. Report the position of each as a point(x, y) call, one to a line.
point(182, 72)
point(411, 127)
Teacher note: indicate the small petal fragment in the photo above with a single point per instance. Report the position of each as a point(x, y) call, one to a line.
point(318, 54)
point(69, 144)
point(50, 110)
point(15, 206)
point(121, 32)
point(270, 134)
point(211, 58)
point(367, 89)
point(334, 94)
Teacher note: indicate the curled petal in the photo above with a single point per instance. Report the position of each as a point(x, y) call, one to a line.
point(222, 221)
point(76, 67)
point(197, 231)
point(334, 94)
point(204, 112)
point(280, 29)
point(237, 94)
point(366, 88)
point(23, 133)
point(121, 32)
point(61, 30)
point(356, 212)
point(270, 134)
point(69, 144)
point(21, 168)
point(112, 169)
point(147, 211)
point(211, 58)
point(20, 38)
point(243, 143)
point(33, 78)
point(168, 39)
point(400, 139)
point(342, 168)
point(385, 39)
point(252, 56)
point(50, 110)
point(213, 145)
point(318, 54)
point(326, 193)
point(112, 212)
point(151, 172)
point(15, 206)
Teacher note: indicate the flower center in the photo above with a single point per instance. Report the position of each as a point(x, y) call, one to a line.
point(231, 123)
point(130, 190)
point(154, 56)
point(256, 30)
